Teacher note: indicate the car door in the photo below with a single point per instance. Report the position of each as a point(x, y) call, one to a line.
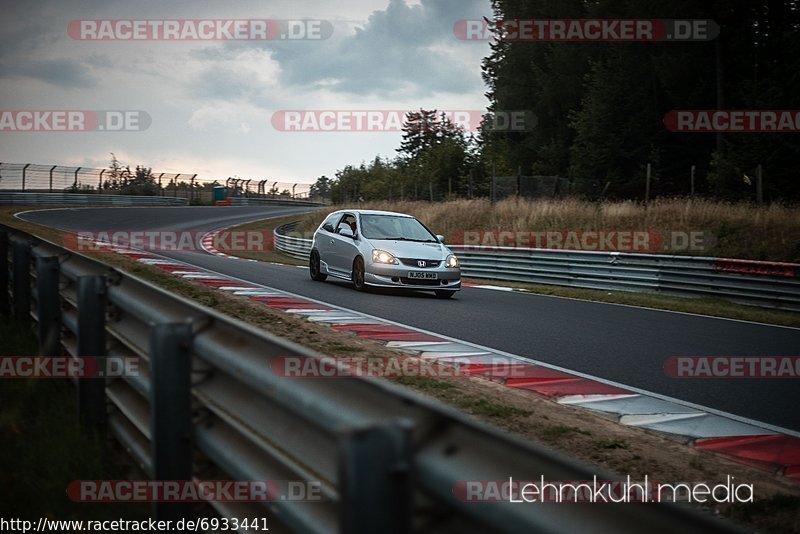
point(343, 248)
point(324, 238)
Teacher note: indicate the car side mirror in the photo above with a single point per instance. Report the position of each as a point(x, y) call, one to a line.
point(440, 237)
point(346, 231)
point(328, 227)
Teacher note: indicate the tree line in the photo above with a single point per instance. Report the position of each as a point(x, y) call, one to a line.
point(600, 109)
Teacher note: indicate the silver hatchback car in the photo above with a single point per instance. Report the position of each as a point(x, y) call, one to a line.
point(383, 249)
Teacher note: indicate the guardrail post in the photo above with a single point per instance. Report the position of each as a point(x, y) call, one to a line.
point(374, 479)
point(4, 300)
point(171, 410)
point(24, 171)
point(48, 305)
point(22, 279)
point(92, 343)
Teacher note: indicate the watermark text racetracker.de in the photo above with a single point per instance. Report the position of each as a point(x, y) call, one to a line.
point(68, 367)
point(588, 30)
point(395, 366)
point(587, 240)
point(199, 29)
point(395, 120)
point(73, 120)
point(196, 490)
point(230, 241)
point(732, 366)
point(733, 120)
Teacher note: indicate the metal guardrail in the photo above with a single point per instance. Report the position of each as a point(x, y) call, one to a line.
point(291, 245)
point(249, 201)
point(89, 199)
point(771, 285)
point(387, 460)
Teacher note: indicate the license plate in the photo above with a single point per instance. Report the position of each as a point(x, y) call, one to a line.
point(423, 276)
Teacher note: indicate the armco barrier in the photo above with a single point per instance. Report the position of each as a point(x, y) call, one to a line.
point(294, 246)
point(89, 199)
point(766, 284)
point(386, 460)
point(248, 201)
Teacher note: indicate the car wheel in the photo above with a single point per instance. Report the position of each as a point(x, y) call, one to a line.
point(313, 268)
point(444, 294)
point(358, 275)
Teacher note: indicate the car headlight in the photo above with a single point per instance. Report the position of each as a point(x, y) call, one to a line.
point(451, 261)
point(381, 256)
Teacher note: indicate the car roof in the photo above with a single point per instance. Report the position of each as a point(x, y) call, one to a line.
point(374, 212)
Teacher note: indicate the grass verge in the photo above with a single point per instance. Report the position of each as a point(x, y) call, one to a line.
point(729, 230)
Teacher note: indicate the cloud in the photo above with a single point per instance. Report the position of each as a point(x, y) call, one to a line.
point(401, 50)
point(243, 73)
point(63, 72)
point(211, 102)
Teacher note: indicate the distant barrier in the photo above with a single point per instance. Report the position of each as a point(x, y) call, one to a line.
point(89, 199)
point(244, 201)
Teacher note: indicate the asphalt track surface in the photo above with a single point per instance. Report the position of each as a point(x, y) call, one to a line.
point(624, 344)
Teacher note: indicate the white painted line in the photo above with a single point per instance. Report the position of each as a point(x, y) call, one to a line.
point(231, 288)
point(696, 425)
point(449, 355)
point(580, 399)
point(494, 288)
point(628, 405)
point(533, 293)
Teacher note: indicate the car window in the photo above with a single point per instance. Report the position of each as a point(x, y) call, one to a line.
point(329, 224)
point(348, 219)
point(394, 227)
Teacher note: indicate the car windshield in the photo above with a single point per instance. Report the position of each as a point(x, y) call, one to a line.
point(394, 227)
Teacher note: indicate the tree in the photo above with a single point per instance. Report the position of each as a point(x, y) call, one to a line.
point(321, 188)
point(142, 183)
point(600, 106)
point(434, 153)
point(117, 174)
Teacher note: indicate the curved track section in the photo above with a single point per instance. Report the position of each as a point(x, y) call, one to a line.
point(622, 344)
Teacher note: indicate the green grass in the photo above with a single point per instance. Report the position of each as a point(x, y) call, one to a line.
point(424, 383)
point(268, 256)
point(611, 444)
point(42, 448)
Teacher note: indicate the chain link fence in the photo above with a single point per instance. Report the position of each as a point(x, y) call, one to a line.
point(539, 186)
point(29, 177)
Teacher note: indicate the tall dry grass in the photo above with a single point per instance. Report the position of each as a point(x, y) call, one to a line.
point(739, 230)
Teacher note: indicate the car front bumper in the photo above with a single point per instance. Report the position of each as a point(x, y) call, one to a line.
point(381, 275)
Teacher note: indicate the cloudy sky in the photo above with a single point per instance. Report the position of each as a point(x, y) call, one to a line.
point(211, 102)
